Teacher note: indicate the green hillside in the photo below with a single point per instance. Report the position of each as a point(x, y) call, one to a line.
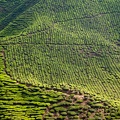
point(20, 101)
point(71, 42)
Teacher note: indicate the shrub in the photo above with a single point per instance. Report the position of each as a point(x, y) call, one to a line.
point(63, 113)
point(62, 109)
point(79, 101)
point(97, 105)
point(72, 113)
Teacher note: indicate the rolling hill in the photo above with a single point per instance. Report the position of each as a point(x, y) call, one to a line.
point(56, 43)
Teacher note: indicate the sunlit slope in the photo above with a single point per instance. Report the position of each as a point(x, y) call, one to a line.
point(43, 101)
point(66, 41)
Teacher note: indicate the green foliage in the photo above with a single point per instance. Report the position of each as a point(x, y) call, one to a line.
point(51, 44)
point(69, 41)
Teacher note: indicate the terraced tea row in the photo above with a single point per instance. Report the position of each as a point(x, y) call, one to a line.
point(43, 102)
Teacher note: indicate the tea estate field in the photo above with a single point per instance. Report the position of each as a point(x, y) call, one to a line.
point(24, 101)
point(75, 44)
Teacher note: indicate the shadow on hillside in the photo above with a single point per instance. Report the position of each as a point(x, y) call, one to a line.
point(17, 12)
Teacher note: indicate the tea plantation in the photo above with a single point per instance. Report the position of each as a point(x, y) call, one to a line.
point(60, 59)
point(24, 101)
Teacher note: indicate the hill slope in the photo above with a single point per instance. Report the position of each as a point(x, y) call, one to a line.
point(56, 41)
point(19, 101)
